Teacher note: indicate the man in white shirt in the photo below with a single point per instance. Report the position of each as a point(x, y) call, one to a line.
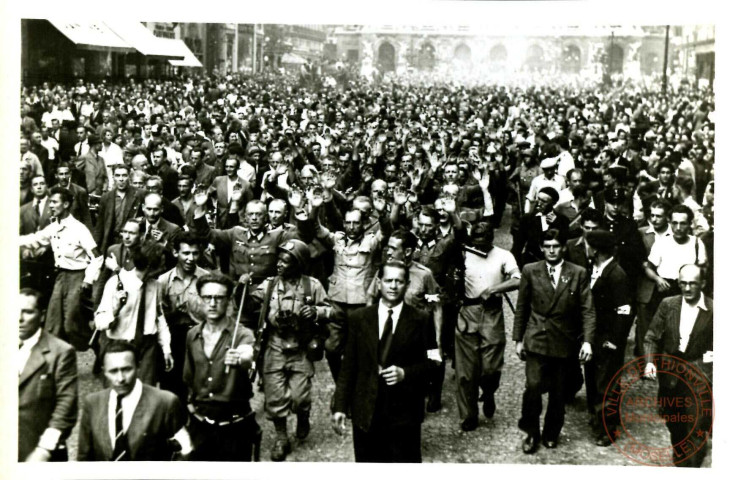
point(78, 263)
point(548, 178)
point(670, 253)
point(130, 421)
point(129, 310)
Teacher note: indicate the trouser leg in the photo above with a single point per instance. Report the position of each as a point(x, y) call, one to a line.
point(532, 397)
point(555, 414)
point(276, 388)
point(467, 374)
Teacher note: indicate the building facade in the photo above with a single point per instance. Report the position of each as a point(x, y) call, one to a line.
point(581, 50)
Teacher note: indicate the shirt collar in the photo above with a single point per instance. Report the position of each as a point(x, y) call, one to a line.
point(700, 304)
point(196, 274)
point(383, 309)
point(31, 341)
point(666, 233)
point(133, 396)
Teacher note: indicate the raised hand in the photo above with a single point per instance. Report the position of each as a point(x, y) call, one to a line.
point(400, 195)
point(295, 197)
point(201, 197)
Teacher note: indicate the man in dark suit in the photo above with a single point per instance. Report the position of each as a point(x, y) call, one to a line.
point(170, 212)
point(161, 167)
point(93, 168)
point(384, 382)
point(611, 299)
point(630, 251)
point(230, 187)
point(682, 328)
point(554, 316)
point(146, 421)
point(36, 265)
point(526, 246)
point(116, 207)
point(47, 387)
point(575, 248)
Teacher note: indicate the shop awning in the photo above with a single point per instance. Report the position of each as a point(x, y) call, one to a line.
point(143, 40)
point(92, 36)
point(188, 58)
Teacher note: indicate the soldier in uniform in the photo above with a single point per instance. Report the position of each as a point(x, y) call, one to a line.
point(480, 335)
point(355, 267)
point(294, 305)
point(252, 248)
point(440, 253)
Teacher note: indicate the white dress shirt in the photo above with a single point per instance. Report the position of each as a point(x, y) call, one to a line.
point(129, 404)
point(557, 270)
point(598, 270)
point(383, 316)
point(687, 319)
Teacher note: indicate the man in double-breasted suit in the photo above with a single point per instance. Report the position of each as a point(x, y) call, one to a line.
point(682, 328)
point(384, 375)
point(526, 242)
point(47, 387)
point(130, 421)
point(554, 316)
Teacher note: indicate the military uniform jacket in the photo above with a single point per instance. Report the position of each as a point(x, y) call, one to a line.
point(553, 321)
point(253, 254)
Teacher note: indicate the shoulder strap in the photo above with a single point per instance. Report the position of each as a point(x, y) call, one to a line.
point(307, 285)
point(697, 250)
point(267, 298)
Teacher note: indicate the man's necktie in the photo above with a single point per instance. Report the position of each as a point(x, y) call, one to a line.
point(551, 272)
point(141, 313)
point(121, 446)
point(21, 345)
point(37, 207)
point(386, 339)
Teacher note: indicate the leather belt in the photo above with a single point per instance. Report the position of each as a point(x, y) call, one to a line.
point(204, 419)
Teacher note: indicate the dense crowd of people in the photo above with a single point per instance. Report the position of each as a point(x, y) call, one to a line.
point(206, 234)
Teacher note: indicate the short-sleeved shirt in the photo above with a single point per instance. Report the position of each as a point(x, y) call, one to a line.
point(668, 256)
point(71, 241)
point(540, 182)
point(179, 295)
point(482, 272)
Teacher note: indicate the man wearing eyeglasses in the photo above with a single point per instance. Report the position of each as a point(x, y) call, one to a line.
point(218, 355)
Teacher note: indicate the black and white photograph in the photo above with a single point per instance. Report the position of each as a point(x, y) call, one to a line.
point(485, 237)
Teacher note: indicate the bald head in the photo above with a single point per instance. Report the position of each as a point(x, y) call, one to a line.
point(691, 282)
point(152, 208)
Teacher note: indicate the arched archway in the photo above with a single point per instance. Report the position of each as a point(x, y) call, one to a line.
point(462, 54)
point(498, 54)
point(650, 63)
point(571, 59)
point(426, 57)
point(535, 58)
point(615, 59)
point(386, 57)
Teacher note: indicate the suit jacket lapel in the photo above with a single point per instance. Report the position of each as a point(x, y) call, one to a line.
point(224, 189)
point(102, 421)
point(372, 332)
point(36, 360)
point(544, 278)
point(140, 420)
point(566, 274)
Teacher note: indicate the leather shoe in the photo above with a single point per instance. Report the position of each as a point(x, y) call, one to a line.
point(303, 426)
point(489, 406)
point(603, 441)
point(433, 405)
point(281, 449)
point(550, 443)
point(529, 444)
point(469, 424)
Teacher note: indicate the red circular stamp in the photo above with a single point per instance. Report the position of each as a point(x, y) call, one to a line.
point(682, 403)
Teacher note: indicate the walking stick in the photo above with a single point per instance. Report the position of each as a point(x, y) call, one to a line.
point(238, 320)
point(509, 302)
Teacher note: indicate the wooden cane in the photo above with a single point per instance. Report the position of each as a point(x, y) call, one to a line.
point(238, 320)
